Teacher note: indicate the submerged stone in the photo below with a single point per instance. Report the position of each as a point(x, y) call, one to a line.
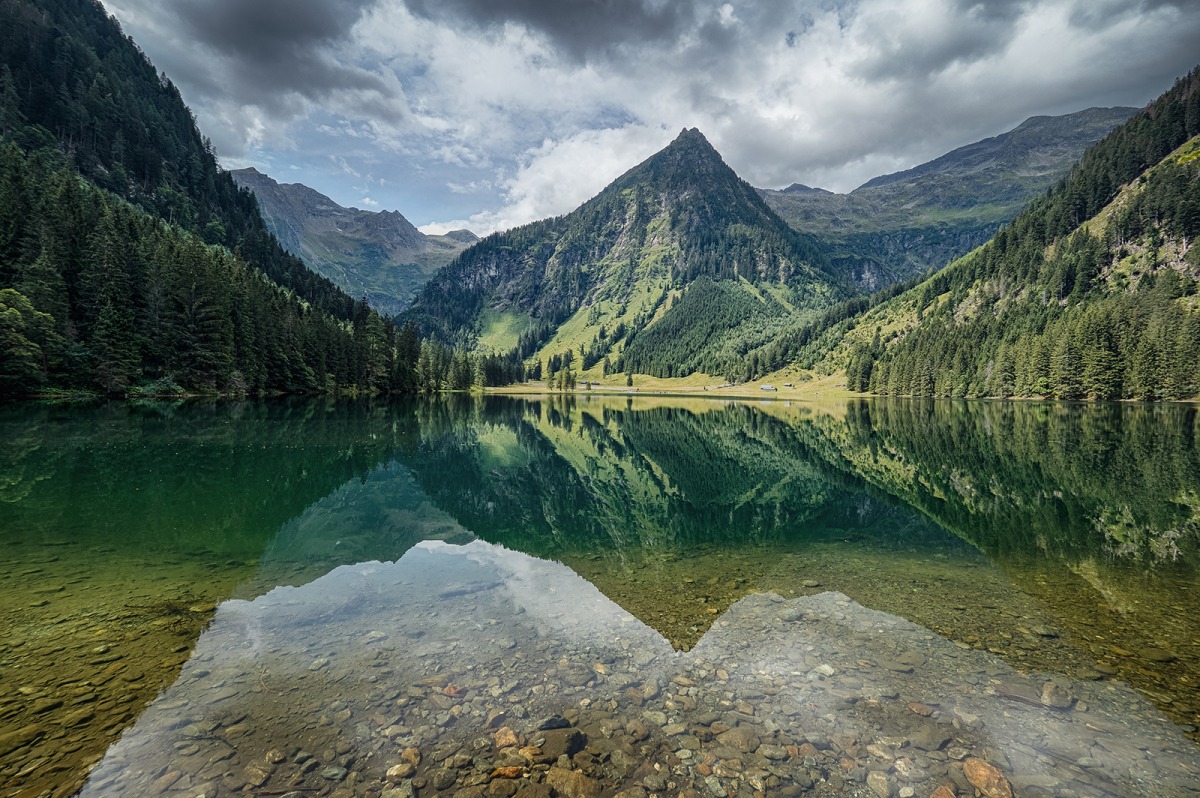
point(984, 777)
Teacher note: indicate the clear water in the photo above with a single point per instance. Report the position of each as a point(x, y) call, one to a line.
point(730, 598)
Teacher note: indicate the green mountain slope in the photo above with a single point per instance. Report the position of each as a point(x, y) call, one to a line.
point(379, 255)
point(128, 260)
point(72, 80)
point(97, 294)
point(582, 288)
point(904, 224)
point(1089, 293)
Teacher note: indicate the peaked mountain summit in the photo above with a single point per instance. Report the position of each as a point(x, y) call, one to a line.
point(379, 255)
point(678, 248)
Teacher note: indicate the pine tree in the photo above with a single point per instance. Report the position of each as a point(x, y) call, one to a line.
point(202, 334)
point(15, 207)
point(1101, 378)
point(462, 375)
point(1144, 374)
point(44, 287)
point(1067, 368)
point(114, 359)
point(1004, 373)
point(426, 378)
point(11, 117)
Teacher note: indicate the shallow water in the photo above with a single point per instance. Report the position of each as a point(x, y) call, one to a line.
point(712, 596)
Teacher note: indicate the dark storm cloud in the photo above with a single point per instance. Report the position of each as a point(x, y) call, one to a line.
point(976, 31)
point(1000, 10)
point(275, 55)
point(269, 25)
point(580, 28)
point(276, 46)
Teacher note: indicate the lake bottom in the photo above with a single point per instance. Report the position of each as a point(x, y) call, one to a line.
point(477, 671)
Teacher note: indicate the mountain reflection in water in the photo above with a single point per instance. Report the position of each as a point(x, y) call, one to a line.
point(463, 653)
point(1062, 539)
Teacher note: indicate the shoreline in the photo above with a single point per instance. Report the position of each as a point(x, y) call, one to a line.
point(815, 391)
point(809, 390)
point(796, 393)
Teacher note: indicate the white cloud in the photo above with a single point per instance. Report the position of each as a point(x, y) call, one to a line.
point(560, 175)
point(367, 202)
point(510, 112)
point(345, 166)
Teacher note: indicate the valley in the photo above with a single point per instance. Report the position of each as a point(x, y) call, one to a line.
point(662, 484)
point(377, 255)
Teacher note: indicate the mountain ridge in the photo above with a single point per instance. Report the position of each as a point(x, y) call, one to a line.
point(1026, 146)
point(376, 254)
point(130, 262)
point(900, 225)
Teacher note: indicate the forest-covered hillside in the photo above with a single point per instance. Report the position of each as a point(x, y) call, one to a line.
point(72, 80)
point(1089, 293)
point(128, 259)
point(98, 294)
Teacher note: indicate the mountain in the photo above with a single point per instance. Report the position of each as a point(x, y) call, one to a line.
point(904, 224)
point(72, 80)
point(675, 267)
point(129, 261)
point(1091, 292)
point(379, 255)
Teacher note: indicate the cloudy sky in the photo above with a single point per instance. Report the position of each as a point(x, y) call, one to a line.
point(490, 113)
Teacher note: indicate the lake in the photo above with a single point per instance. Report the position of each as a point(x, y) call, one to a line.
point(587, 595)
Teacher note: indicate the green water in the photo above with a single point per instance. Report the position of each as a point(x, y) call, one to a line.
point(182, 576)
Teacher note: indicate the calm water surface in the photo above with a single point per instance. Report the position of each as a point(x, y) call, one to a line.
point(593, 596)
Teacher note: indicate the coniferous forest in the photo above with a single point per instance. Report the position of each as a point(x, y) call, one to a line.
point(71, 81)
point(130, 263)
point(1089, 294)
point(101, 295)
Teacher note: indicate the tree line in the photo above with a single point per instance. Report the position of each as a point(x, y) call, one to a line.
point(100, 295)
point(131, 263)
